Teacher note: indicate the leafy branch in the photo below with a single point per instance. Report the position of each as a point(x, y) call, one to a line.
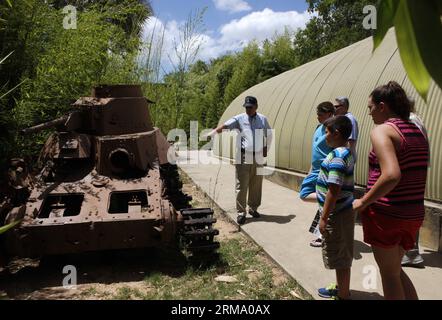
point(418, 28)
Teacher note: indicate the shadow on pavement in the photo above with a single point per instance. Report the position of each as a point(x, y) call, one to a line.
point(364, 295)
point(271, 218)
point(432, 259)
point(360, 247)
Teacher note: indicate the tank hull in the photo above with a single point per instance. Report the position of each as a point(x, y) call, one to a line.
point(95, 213)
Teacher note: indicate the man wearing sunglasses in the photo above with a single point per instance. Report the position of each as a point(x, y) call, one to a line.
point(341, 109)
point(254, 139)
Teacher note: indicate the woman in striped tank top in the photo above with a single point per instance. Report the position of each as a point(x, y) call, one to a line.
point(392, 210)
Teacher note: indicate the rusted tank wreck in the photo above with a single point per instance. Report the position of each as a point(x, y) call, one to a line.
point(106, 183)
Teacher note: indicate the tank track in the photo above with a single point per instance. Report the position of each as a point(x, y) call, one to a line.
point(172, 187)
point(197, 234)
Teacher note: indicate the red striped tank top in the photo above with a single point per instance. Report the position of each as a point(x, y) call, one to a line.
point(406, 200)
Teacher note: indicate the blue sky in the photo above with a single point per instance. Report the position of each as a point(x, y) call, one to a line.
point(228, 25)
point(179, 9)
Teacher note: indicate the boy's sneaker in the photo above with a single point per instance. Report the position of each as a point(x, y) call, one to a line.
point(328, 292)
point(317, 243)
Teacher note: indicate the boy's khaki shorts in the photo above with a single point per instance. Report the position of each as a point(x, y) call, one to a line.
point(337, 247)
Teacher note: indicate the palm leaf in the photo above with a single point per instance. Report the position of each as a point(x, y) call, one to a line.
point(385, 19)
point(428, 33)
point(406, 35)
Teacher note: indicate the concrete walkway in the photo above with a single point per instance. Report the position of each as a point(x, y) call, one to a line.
point(282, 232)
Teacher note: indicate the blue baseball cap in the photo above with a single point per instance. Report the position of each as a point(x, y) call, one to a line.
point(250, 102)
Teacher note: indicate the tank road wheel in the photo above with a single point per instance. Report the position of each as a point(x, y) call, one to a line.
point(197, 234)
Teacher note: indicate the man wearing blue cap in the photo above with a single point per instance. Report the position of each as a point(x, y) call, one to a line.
point(253, 128)
point(341, 109)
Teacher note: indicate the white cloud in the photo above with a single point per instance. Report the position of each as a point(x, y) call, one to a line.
point(233, 6)
point(260, 25)
point(234, 36)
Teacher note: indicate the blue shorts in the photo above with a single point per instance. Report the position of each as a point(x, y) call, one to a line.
point(308, 185)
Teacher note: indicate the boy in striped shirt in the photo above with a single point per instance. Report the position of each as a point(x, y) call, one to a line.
point(334, 190)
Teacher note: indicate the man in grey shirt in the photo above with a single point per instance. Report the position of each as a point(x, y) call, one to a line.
point(341, 109)
point(254, 139)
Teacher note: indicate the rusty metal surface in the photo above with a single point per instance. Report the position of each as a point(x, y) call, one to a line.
point(114, 116)
point(53, 123)
point(135, 151)
point(53, 225)
point(72, 146)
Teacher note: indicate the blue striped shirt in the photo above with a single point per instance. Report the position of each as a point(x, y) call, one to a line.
point(337, 168)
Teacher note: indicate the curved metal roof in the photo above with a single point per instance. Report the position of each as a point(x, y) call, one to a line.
point(289, 101)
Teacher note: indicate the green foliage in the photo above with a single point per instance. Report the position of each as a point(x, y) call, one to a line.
point(55, 65)
point(4, 114)
point(308, 42)
point(128, 15)
point(246, 76)
point(278, 56)
point(418, 29)
point(221, 72)
point(338, 24)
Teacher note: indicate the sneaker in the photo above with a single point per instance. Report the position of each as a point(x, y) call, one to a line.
point(412, 258)
point(317, 243)
point(328, 292)
point(241, 219)
point(254, 213)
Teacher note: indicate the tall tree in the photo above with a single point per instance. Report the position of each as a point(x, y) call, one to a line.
point(221, 73)
point(278, 56)
point(246, 74)
point(128, 14)
point(339, 23)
